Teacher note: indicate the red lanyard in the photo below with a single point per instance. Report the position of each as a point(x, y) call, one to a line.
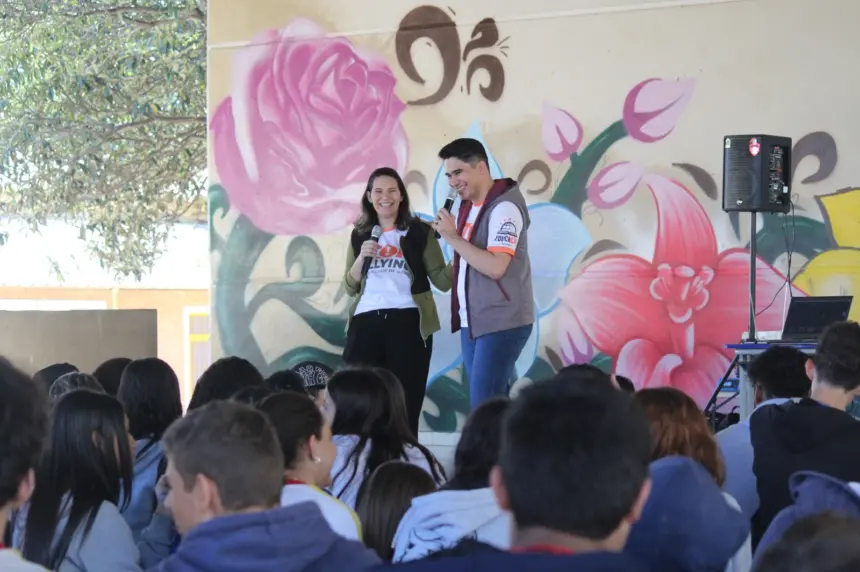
point(293, 482)
point(545, 549)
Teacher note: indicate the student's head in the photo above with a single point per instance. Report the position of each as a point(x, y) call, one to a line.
point(149, 392)
point(779, 372)
point(285, 380)
point(478, 449)
point(252, 396)
point(824, 542)
point(837, 359)
point(383, 500)
point(369, 407)
point(467, 168)
point(88, 459)
point(23, 424)
point(678, 427)
point(384, 198)
point(574, 461)
point(222, 458)
point(314, 385)
point(223, 379)
point(109, 373)
point(71, 381)
point(399, 415)
point(304, 435)
point(316, 376)
point(48, 375)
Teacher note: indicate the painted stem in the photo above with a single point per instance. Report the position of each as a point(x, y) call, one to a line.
point(241, 252)
point(572, 190)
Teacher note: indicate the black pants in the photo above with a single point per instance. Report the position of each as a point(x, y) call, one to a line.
point(392, 339)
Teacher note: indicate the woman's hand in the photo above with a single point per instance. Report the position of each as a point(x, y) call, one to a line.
point(368, 250)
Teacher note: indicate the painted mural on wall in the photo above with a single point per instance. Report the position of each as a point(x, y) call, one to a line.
point(311, 114)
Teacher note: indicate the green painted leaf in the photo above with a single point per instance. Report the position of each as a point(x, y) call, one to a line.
point(602, 361)
point(451, 397)
point(540, 370)
point(800, 234)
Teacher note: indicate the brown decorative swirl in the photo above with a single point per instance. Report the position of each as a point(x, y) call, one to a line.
point(491, 64)
point(485, 34)
point(820, 145)
point(542, 168)
point(434, 24)
point(415, 177)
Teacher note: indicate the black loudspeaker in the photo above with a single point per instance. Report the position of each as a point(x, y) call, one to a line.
point(756, 173)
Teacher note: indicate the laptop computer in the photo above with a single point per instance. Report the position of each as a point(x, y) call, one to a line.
point(807, 317)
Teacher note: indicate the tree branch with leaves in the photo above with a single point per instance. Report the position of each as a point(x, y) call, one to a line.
point(103, 119)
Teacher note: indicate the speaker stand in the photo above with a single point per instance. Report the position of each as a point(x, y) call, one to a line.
point(751, 333)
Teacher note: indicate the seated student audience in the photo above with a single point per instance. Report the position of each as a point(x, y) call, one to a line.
point(826, 542)
point(686, 525)
point(73, 522)
point(465, 510)
point(223, 379)
point(149, 393)
point(226, 473)
point(109, 374)
point(23, 425)
point(71, 381)
point(309, 454)
point(573, 472)
point(370, 428)
point(778, 375)
point(383, 500)
point(678, 427)
point(48, 375)
point(252, 396)
point(813, 493)
point(814, 434)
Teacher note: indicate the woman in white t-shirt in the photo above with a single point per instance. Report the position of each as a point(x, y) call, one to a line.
point(309, 453)
point(393, 315)
point(370, 429)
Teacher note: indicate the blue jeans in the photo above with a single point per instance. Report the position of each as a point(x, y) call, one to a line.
point(489, 361)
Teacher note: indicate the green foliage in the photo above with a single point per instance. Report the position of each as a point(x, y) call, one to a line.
point(103, 119)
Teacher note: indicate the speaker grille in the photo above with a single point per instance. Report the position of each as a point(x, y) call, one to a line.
point(740, 181)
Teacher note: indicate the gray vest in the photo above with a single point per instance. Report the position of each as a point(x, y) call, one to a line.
point(497, 305)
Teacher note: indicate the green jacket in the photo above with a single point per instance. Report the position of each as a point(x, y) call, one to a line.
point(425, 263)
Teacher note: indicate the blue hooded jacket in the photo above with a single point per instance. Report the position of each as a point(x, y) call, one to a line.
point(138, 513)
point(813, 493)
point(687, 524)
point(292, 539)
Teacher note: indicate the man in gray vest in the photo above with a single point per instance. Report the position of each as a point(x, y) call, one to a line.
point(492, 305)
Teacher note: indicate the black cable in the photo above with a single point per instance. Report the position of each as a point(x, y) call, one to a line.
point(789, 248)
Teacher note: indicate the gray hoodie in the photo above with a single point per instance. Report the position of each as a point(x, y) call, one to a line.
point(109, 546)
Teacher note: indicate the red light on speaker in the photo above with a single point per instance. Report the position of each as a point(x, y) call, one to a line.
point(755, 147)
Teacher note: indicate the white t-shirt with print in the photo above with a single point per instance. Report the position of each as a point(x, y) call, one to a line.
point(388, 285)
point(506, 223)
point(342, 519)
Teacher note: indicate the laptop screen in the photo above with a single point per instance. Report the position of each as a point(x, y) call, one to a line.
point(808, 316)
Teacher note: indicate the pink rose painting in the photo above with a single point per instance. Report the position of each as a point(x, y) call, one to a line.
point(665, 321)
point(309, 117)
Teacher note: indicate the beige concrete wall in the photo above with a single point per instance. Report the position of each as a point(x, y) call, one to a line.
point(36, 339)
point(636, 266)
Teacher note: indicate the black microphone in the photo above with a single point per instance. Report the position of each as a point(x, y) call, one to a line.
point(374, 235)
point(449, 203)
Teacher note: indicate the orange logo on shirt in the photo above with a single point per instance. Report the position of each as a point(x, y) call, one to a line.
point(389, 251)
